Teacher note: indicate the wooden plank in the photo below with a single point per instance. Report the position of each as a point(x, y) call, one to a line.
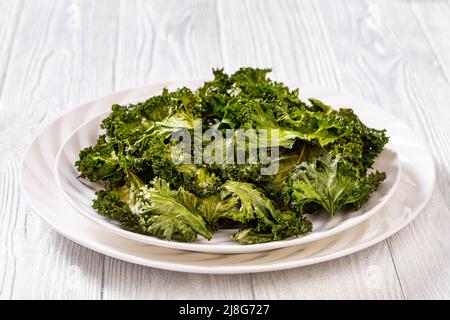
point(128, 281)
point(433, 19)
point(166, 40)
point(163, 40)
point(316, 64)
point(384, 55)
point(10, 17)
point(62, 53)
point(368, 274)
point(282, 35)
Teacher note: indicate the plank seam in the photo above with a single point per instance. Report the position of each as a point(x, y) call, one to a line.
point(116, 42)
point(11, 224)
point(252, 287)
point(221, 36)
point(395, 269)
point(102, 282)
point(430, 42)
point(329, 48)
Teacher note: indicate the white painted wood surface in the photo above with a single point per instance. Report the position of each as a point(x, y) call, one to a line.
point(56, 54)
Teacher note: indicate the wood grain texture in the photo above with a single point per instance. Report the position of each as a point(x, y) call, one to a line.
point(167, 44)
point(57, 54)
point(307, 61)
point(369, 274)
point(52, 64)
point(403, 74)
point(433, 19)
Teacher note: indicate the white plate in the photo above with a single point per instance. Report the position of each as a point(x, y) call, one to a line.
point(40, 189)
point(81, 195)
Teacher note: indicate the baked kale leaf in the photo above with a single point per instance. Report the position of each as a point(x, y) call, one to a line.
point(324, 161)
point(331, 183)
point(174, 213)
point(265, 222)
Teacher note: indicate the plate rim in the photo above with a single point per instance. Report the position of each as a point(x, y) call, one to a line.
point(108, 250)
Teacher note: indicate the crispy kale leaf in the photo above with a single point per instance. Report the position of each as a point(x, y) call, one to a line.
point(339, 132)
point(215, 209)
point(330, 182)
point(129, 122)
point(101, 162)
point(153, 210)
point(174, 213)
point(286, 225)
point(324, 156)
point(194, 179)
point(266, 222)
point(122, 204)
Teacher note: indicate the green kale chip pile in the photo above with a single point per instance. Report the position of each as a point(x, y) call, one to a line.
point(324, 162)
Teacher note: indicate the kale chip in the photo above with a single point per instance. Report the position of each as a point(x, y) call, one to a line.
point(324, 161)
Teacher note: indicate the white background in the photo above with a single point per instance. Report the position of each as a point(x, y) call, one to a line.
point(56, 54)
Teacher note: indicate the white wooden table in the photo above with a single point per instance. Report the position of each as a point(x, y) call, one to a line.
point(56, 54)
